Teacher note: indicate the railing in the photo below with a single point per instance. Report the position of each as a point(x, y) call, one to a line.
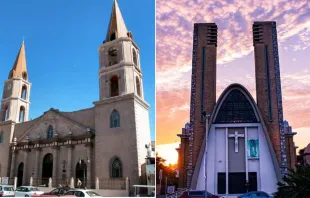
point(44, 182)
point(113, 184)
point(176, 194)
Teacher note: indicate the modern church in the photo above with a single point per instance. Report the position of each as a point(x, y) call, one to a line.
point(235, 143)
point(108, 142)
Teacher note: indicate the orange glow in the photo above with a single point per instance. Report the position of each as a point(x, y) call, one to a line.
point(168, 152)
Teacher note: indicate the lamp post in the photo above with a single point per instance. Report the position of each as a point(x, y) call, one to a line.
point(84, 166)
point(207, 116)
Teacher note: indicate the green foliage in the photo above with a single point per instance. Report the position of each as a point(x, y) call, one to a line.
point(168, 172)
point(296, 184)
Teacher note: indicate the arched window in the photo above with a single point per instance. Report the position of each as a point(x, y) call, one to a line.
point(113, 36)
point(138, 86)
point(24, 92)
point(114, 86)
point(22, 114)
point(1, 137)
point(5, 113)
point(116, 168)
point(236, 108)
point(135, 58)
point(50, 132)
point(25, 76)
point(114, 119)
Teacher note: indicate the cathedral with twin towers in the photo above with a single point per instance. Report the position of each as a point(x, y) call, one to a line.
point(107, 142)
point(235, 144)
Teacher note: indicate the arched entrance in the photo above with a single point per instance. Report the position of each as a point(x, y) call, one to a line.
point(47, 168)
point(20, 172)
point(81, 173)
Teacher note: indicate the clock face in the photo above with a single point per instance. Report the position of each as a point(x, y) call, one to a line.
point(9, 86)
point(113, 51)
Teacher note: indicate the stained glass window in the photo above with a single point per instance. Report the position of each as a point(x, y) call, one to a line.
point(50, 132)
point(116, 168)
point(114, 119)
point(236, 109)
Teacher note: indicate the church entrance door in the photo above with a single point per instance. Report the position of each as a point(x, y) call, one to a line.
point(47, 168)
point(20, 173)
point(81, 173)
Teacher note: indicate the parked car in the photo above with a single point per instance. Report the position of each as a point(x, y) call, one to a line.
point(256, 194)
point(82, 193)
point(197, 194)
point(56, 192)
point(7, 191)
point(27, 191)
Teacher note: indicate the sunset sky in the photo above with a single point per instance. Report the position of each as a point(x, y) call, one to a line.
point(235, 59)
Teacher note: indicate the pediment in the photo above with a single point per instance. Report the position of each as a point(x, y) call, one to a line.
point(61, 125)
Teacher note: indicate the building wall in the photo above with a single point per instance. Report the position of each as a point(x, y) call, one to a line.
point(120, 142)
point(216, 159)
point(7, 128)
point(142, 131)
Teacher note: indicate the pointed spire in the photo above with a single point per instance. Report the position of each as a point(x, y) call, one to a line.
point(117, 27)
point(19, 69)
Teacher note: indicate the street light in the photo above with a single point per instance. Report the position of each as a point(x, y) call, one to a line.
point(84, 167)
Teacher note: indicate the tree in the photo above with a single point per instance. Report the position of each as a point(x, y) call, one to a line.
point(167, 171)
point(296, 184)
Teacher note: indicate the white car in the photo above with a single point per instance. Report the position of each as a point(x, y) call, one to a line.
point(82, 193)
point(27, 191)
point(6, 191)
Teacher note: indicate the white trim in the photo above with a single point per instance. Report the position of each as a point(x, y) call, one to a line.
point(246, 154)
point(226, 154)
point(236, 125)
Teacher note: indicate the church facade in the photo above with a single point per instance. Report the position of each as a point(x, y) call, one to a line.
point(235, 144)
point(109, 141)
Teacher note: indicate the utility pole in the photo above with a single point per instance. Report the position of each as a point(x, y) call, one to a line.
point(206, 151)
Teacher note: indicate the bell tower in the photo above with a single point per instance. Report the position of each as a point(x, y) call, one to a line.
point(121, 115)
point(16, 93)
point(120, 71)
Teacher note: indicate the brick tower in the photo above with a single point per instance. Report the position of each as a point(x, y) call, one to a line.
point(203, 87)
point(268, 85)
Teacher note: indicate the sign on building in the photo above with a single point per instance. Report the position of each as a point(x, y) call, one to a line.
point(5, 180)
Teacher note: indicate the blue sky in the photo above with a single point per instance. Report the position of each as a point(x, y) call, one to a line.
point(62, 40)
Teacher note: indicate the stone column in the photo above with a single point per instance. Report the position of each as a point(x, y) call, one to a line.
point(69, 162)
point(25, 171)
point(13, 164)
point(89, 165)
point(55, 165)
point(36, 167)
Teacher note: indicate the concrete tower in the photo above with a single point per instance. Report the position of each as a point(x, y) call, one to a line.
point(203, 88)
point(268, 85)
point(16, 94)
